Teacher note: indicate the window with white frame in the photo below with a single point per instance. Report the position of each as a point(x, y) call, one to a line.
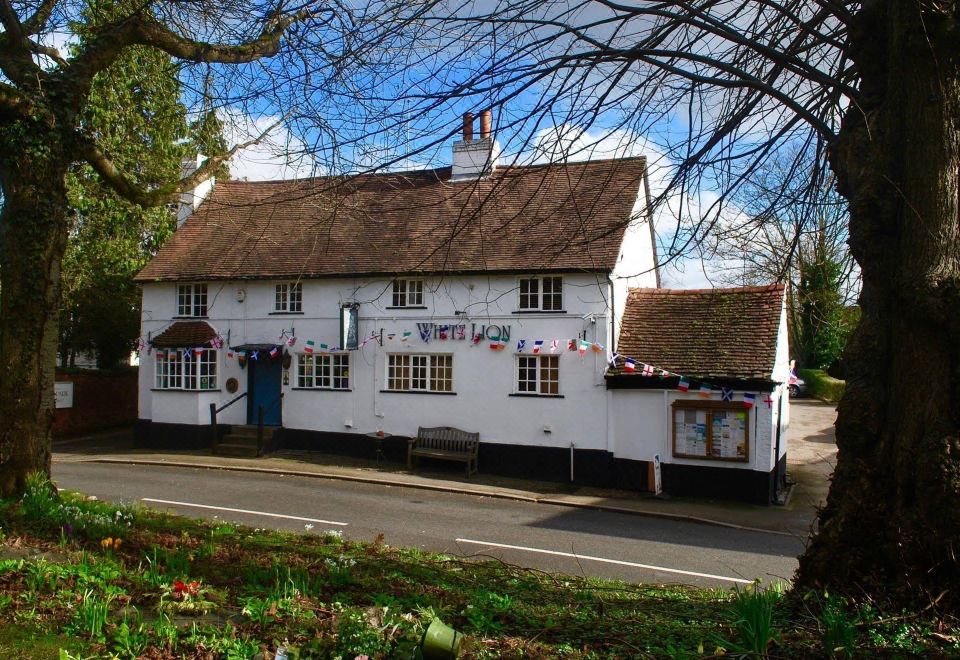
point(420, 373)
point(538, 374)
point(324, 372)
point(407, 293)
point(186, 369)
point(191, 300)
point(541, 294)
point(288, 297)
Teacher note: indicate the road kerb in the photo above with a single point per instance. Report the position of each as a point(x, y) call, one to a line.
point(552, 501)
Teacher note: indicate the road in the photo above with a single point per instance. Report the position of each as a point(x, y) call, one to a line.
point(553, 538)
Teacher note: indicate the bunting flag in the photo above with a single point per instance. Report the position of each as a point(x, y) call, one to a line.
point(630, 366)
point(477, 338)
point(648, 370)
point(444, 329)
point(324, 349)
point(161, 354)
point(187, 352)
point(705, 390)
point(554, 345)
point(597, 347)
point(275, 351)
point(497, 344)
point(198, 350)
point(769, 401)
point(254, 355)
point(582, 347)
point(572, 344)
point(521, 344)
point(291, 341)
point(726, 394)
point(749, 399)
point(612, 359)
point(308, 347)
point(684, 384)
point(217, 342)
point(242, 355)
point(537, 345)
point(229, 355)
point(141, 344)
point(664, 373)
point(406, 337)
point(390, 336)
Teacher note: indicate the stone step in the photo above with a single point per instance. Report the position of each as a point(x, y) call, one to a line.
point(245, 440)
point(246, 430)
point(240, 451)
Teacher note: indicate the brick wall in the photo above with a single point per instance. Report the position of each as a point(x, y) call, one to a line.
point(101, 400)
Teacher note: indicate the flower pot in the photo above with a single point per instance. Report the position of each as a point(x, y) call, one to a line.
point(440, 642)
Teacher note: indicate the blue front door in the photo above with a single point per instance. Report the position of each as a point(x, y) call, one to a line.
point(264, 387)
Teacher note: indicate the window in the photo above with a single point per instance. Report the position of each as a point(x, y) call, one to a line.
point(538, 374)
point(191, 300)
point(289, 297)
point(420, 373)
point(407, 293)
point(324, 372)
point(178, 370)
point(710, 430)
point(541, 294)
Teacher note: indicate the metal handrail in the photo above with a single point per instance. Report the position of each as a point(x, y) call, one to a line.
point(260, 411)
point(213, 418)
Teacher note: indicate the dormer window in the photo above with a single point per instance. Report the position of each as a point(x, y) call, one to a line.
point(541, 294)
point(407, 293)
point(288, 298)
point(191, 300)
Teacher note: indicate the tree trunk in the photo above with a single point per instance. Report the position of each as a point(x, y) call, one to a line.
point(891, 524)
point(33, 235)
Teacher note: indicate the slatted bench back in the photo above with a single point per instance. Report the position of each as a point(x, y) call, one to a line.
point(447, 438)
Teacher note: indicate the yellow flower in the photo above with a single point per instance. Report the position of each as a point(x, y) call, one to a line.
point(107, 542)
point(116, 544)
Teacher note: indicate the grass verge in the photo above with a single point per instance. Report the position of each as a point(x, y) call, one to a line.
point(82, 579)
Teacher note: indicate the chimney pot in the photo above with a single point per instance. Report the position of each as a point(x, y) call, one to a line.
point(486, 121)
point(467, 126)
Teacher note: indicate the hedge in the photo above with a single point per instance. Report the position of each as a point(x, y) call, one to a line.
point(822, 385)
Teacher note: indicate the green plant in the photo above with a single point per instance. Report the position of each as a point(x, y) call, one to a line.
point(822, 385)
point(838, 627)
point(752, 611)
point(186, 597)
point(164, 632)
point(356, 635)
point(91, 615)
point(128, 640)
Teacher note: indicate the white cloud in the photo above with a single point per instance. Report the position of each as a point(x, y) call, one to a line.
point(279, 155)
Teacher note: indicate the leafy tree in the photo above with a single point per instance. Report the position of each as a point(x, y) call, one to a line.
point(134, 108)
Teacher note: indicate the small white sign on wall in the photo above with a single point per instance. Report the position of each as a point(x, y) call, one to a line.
point(657, 483)
point(63, 395)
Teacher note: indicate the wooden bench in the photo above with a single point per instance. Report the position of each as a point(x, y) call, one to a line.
point(445, 443)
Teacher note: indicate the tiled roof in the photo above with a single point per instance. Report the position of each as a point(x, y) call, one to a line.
point(185, 333)
point(723, 333)
point(546, 217)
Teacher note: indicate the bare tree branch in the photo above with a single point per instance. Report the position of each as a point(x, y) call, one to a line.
point(129, 190)
point(36, 23)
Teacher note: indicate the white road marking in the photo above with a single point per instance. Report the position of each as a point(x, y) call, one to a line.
point(255, 513)
point(604, 560)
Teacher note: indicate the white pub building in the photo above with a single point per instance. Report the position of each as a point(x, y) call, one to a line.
point(481, 297)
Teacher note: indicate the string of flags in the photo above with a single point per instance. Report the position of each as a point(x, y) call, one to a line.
point(684, 383)
point(496, 343)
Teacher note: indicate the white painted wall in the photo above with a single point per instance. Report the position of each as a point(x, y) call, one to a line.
point(483, 379)
point(636, 265)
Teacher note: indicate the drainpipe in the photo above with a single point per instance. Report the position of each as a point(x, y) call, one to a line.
point(571, 462)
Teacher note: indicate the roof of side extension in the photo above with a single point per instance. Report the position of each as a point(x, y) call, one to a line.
point(561, 217)
point(720, 333)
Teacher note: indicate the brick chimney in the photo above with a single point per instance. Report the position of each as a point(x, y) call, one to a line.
point(190, 200)
point(475, 159)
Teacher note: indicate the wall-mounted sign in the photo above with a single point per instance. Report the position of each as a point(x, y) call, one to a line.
point(657, 481)
point(63, 395)
point(349, 326)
